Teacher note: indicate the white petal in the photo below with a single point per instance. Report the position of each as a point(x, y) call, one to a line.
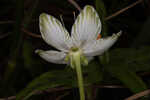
point(54, 33)
point(100, 46)
point(86, 27)
point(52, 56)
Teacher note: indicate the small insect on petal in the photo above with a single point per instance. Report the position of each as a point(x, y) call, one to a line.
point(99, 36)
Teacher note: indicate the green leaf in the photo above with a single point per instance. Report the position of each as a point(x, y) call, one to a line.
point(93, 73)
point(15, 60)
point(136, 60)
point(30, 61)
point(125, 62)
point(127, 77)
point(47, 80)
point(60, 78)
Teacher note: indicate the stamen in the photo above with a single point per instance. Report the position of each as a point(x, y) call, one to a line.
point(99, 36)
point(74, 15)
point(61, 18)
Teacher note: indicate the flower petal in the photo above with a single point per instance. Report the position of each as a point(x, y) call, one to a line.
point(86, 27)
point(52, 56)
point(100, 46)
point(54, 33)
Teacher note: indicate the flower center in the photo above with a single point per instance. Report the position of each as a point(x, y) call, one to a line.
point(73, 52)
point(74, 49)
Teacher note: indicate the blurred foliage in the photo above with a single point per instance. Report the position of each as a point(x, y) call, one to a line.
point(100, 8)
point(143, 36)
point(22, 72)
point(60, 78)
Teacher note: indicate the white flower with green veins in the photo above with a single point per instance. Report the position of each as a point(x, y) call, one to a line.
point(79, 48)
point(83, 37)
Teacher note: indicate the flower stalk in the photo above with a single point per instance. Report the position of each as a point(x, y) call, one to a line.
point(77, 65)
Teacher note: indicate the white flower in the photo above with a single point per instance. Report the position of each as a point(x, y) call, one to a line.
point(83, 37)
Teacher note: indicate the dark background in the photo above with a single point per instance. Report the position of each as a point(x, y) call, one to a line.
point(20, 37)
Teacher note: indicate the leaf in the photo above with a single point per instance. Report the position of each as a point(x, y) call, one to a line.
point(59, 78)
point(15, 59)
point(94, 73)
point(120, 66)
point(136, 59)
point(31, 63)
point(47, 80)
point(127, 77)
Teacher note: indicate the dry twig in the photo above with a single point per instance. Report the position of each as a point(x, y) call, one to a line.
point(4, 35)
point(109, 86)
point(138, 95)
point(7, 22)
point(31, 34)
point(61, 96)
point(64, 88)
point(123, 10)
point(75, 4)
point(9, 98)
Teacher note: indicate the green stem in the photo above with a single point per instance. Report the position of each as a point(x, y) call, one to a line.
point(77, 63)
